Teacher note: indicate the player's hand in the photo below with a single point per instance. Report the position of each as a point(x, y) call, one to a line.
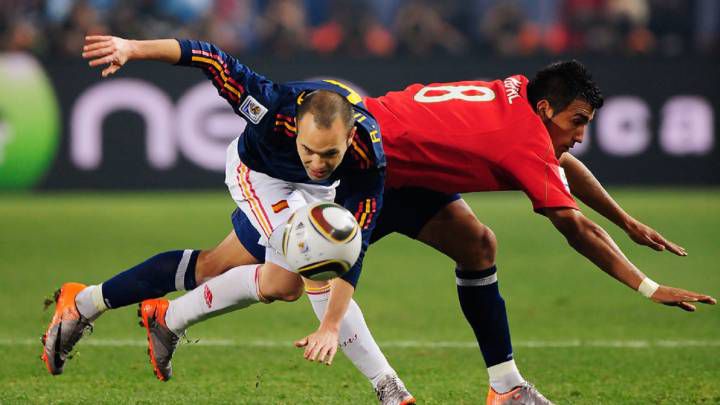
point(320, 346)
point(644, 235)
point(107, 50)
point(677, 297)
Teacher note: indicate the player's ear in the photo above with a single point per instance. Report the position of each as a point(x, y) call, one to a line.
point(351, 135)
point(544, 109)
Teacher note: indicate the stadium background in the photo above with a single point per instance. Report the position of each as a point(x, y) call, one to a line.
point(155, 136)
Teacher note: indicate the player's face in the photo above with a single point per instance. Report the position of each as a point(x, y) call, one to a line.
point(322, 149)
point(567, 127)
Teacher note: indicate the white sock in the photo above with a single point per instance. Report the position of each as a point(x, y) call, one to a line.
point(356, 341)
point(235, 289)
point(505, 376)
point(90, 303)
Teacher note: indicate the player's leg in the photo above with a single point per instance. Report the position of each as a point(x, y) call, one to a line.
point(235, 289)
point(358, 344)
point(264, 206)
point(455, 231)
point(161, 274)
point(356, 340)
point(228, 254)
point(78, 306)
point(240, 287)
point(255, 228)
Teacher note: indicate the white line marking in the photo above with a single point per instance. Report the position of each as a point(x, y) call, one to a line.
point(403, 344)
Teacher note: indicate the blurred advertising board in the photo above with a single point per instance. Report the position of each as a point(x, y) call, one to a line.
point(158, 126)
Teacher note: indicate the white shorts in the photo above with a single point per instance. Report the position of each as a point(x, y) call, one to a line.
point(267, 201)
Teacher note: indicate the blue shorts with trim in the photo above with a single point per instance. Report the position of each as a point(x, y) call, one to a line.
point(405, 210)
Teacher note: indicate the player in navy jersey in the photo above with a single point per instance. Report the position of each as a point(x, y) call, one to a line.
point(302, 140)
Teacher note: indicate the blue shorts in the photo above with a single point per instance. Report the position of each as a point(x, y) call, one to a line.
point(405, 210)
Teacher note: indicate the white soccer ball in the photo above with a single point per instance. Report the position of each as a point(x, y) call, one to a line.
point(321, 241)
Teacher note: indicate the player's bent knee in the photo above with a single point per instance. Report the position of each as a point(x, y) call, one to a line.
point(488, 241)
point(288, 294)
point(481, 247)
point(291, 296)
point(279, 284)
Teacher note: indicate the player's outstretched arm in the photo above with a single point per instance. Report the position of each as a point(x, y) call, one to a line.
point(588, 189)
point(115, 52)
point(322, 345)
point(591, 240)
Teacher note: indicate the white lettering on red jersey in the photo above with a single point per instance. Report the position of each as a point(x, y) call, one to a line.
point(470, 136)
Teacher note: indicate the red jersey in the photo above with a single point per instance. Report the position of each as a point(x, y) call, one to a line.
point(470, 136)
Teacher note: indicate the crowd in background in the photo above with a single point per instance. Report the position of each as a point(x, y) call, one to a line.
point(377, 28)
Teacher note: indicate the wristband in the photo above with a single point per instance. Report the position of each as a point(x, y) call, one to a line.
point(648, 287)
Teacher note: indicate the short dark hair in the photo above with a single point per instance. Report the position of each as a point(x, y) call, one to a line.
point(326, 106)
point(562, 82)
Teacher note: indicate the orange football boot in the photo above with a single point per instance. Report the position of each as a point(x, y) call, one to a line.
point(525, 394)
point(161, 340)
point(390, 390)
point(65, 330)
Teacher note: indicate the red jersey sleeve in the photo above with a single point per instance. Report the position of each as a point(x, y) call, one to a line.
point(543, 180)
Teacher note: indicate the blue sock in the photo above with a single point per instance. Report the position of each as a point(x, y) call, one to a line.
point(155, 277)
point(484, 309)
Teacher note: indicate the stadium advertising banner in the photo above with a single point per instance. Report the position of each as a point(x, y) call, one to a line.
point(159, 126)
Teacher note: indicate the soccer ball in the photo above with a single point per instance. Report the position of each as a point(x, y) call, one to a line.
point(321, 241)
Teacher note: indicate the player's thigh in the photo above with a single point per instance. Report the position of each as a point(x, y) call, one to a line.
point(406, 210)
point(226, 255)
point(455, 231)
point(267, 202)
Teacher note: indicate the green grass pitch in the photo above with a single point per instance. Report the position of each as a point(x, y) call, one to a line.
point(581, 337)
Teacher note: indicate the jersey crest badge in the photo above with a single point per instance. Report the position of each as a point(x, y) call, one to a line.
point(253, 110)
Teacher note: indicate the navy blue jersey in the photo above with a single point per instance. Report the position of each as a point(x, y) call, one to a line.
point(267, 144)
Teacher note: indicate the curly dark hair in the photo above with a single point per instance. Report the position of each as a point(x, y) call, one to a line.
point(562, 82)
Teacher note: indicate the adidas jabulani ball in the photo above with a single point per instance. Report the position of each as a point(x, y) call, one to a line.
point(321, 241)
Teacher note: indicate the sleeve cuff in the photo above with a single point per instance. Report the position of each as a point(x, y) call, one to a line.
point(185, 52)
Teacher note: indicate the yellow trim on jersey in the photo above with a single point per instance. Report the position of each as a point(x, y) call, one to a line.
point(361, 152)
point(287, 125)
point(359, 117)
point(373, 136)
point(221, 71)
point(353, 97)
point(365, 213)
